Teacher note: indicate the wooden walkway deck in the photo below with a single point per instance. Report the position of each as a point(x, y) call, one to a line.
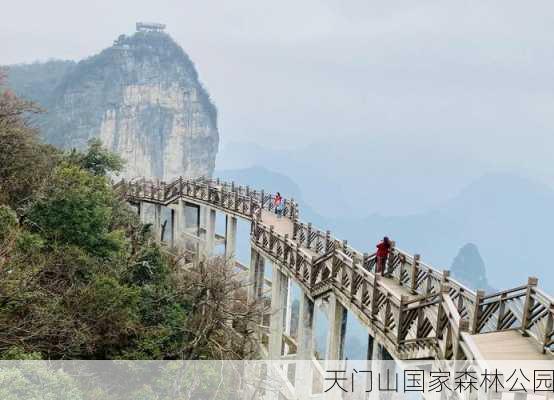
point(283, 226)
point(505, 345)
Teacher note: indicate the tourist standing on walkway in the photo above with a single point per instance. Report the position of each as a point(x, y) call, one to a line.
point(278, 201)
point(383, 249)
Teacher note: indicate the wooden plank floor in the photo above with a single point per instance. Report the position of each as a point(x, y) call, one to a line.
point(282, 226)
point(395, 289)
point(505, 345)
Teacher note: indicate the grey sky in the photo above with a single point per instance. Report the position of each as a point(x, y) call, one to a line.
point(466, 83)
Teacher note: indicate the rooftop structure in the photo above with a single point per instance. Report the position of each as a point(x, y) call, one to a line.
point(150, 27)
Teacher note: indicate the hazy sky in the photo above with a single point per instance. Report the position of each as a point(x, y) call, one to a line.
point(465, 82)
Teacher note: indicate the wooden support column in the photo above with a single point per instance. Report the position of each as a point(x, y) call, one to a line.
point(256, 269)
point(279, 284)
point(157, 225)
point(230, 239)
point(210, 231)
point(142, 212)
point(305, 351)
point(179, 225)
point(337, 322)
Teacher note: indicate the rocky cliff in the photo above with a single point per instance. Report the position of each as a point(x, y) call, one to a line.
point(141, 97)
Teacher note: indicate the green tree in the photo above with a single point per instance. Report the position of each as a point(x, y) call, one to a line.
point(25, 163)
point(75, 208)
point(97, 160)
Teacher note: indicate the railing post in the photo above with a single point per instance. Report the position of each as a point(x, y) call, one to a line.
point(328, 241)
point(309, 235)
point(401, 267)
point(365, 261)
point(285, 254)
point(251, 206)
point(477, 311)
point(440, 312)
point(501, 308)
point(290, 208)
point(548, 328)
point(271, 238)
point(375, 296)
point(429, 284)
point(400, 334)
point(415, 273)
point(445, 276)
point(355, 261)
point(529, 302)
point(462, 327)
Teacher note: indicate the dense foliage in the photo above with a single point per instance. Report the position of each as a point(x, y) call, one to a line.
point(80, 276)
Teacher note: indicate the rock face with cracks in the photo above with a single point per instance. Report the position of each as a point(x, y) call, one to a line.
point(141, 97)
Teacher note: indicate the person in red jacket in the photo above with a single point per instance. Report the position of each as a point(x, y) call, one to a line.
point(278, 203)
point(383, 248)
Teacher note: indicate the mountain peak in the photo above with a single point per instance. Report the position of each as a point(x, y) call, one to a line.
point(468, 266)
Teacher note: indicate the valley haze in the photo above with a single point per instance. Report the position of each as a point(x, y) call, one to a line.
point(429, 122)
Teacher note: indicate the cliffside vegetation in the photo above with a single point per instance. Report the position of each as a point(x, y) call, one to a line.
point(81, 277)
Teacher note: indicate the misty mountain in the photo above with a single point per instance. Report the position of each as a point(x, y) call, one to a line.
point(508, 217)
point(469, 268)
point(38, 81)
point(372, 173)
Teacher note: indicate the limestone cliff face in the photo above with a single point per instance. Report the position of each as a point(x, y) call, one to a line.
point(143, 99)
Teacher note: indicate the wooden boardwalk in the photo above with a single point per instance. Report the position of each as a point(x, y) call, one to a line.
point(505, 345)
point(282, 226)
point(417, 307)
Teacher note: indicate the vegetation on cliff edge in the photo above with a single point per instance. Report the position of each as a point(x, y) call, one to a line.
point(81, 277)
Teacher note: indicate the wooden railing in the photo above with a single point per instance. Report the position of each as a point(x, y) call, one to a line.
point(433, 318)
point(525, 308)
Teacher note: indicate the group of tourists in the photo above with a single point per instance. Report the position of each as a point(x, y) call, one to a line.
point(383, 247)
